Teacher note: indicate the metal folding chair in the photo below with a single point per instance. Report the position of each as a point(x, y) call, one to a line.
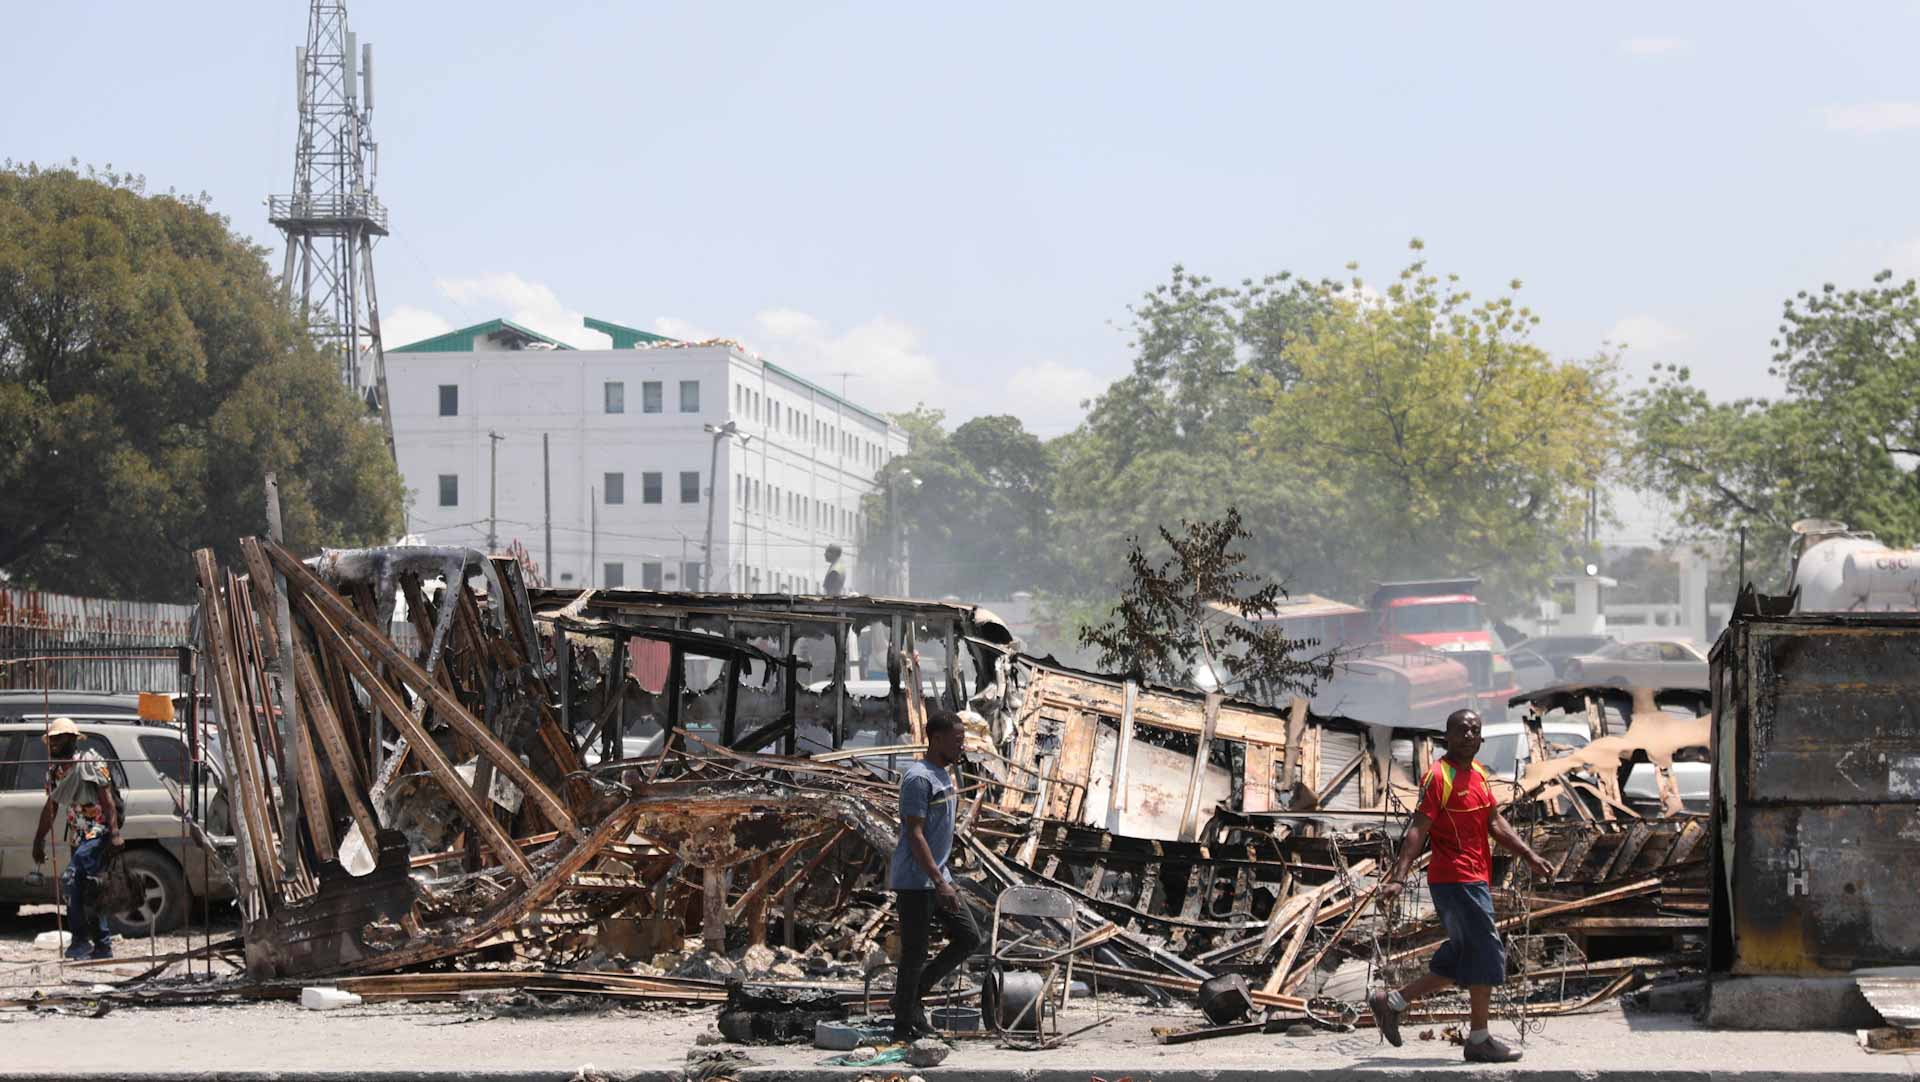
point(1030, 953)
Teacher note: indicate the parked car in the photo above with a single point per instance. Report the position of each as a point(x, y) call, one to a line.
point(1692, 775)
point(1505, 752)
point(1557, 650)
point(1530, 670)
point(172, 869)
point(1651, 663)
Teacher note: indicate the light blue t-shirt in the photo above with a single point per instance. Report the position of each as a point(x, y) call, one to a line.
point(925, 791)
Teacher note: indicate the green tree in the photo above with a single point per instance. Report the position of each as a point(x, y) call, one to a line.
point(1439, 440)
point(1360, 436)
point(149, 377)
point(1841, 442)
point(975, 505)
point(1170, 440)
point(1198, 609)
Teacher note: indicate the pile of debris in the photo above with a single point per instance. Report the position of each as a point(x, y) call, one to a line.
point(514, 789)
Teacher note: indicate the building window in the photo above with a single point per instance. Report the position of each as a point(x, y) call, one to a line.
point(756, 495)
point(689, 486)
point(689, 396)
point(613, 576)
point(616, 395)
point(449, 400)
point(614, 489)
point(649, 488)
point(650, 575)
point(650, 396)
point(690, 576)
point(450, 490)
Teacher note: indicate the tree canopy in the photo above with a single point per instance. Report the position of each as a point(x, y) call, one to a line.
point(1351, 434)
point(1841, 442)
point(150, 375)
point(978, 519)
point(1441, 441)
point(1361, 435)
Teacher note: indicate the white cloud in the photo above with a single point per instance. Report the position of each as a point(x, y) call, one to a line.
point(1872, 118)
point(530, 304)
point(683, 330)
point(1048, 396)
point(406, 325)
point(1652, 46)
point(881, 362)
point(1643, 333)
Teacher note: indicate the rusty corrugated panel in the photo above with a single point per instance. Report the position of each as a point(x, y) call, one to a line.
point(34, 623)
point(1817, 774)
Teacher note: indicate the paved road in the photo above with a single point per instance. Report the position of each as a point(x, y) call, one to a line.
point(505, 1041)
point(396, 1041)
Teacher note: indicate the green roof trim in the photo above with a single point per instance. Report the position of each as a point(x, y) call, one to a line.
point(461, 340)
point(817, 389)
point(623, 337)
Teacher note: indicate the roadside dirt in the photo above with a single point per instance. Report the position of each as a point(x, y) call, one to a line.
point(25, 966)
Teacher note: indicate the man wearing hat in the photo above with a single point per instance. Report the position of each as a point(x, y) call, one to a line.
point(80, 782)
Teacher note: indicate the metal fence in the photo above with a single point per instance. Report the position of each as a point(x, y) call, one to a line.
point(90, 643)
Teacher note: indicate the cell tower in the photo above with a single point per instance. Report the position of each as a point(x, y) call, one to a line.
point(332, 217)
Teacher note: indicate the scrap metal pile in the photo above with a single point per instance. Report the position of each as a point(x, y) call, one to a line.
point(558, 792)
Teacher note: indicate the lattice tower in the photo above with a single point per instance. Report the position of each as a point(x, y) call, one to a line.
point(332, 218)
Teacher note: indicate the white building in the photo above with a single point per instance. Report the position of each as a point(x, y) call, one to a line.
point(622, 480)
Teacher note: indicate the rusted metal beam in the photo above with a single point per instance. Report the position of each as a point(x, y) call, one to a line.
point(333, 740)
point(320, 596)
point(422, 742)
point(248, 815)
point(536, 894)
point(1190, 813)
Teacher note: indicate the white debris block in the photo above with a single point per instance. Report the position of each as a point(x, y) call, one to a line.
point(57, 941)
point(327, 999)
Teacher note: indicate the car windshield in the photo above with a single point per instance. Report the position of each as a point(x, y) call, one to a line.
point(1497, 753)
point(1444, 616)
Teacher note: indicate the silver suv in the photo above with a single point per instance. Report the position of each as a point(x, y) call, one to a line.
point(144, 758)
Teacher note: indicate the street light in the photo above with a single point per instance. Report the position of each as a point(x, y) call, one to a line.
point(720, 433)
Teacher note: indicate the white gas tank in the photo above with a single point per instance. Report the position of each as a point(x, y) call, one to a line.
point(1857, 574)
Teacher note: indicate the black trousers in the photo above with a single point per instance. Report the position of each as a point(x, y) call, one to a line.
point(917, 977)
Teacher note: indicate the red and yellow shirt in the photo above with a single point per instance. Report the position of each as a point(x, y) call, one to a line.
point(1459, 803)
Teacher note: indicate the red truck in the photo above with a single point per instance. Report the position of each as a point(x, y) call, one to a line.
point(1445, 616)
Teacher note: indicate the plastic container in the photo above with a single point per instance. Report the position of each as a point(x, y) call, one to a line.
point(327, 999)
point(956, 1019)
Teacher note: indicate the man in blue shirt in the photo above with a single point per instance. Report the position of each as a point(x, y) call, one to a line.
point(923, 890)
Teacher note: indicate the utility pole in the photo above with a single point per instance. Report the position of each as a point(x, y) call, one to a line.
point(593, 537)
point(493, 486)
point(546, 496)
point(332, 218)
point(720, 433)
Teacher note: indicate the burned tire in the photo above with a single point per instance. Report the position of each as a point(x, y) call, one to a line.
point(160, 903)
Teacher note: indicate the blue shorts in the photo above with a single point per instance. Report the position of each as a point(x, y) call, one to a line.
point(1472, 953)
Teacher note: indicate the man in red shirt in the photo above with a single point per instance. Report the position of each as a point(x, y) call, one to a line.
point(1457, 814)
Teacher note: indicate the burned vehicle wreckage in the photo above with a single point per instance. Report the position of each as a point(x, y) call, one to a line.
point(549, 790)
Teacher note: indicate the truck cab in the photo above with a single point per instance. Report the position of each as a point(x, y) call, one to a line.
point(1446, 617)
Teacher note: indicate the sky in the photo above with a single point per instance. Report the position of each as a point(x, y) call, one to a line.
point(955, 204)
